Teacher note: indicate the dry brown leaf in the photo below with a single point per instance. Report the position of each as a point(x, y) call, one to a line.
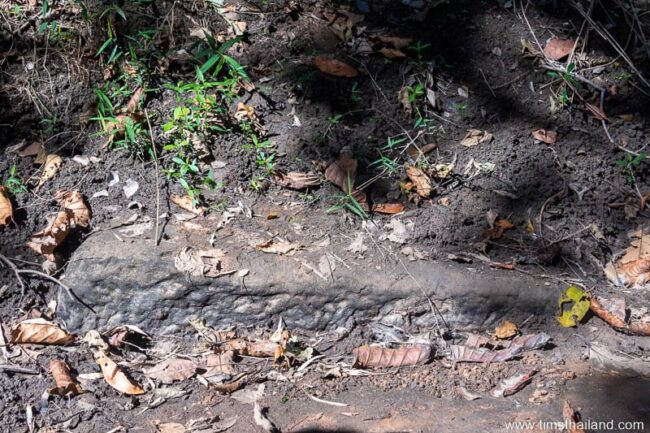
point(6, 209)
point(461, 353)
point(614, 318)
point(557, 49)
point(513, 384)
point(392, 53)
point(245, 111)
point(475, 137)
point(395, 41)
point(172, 370)
point(134, 102)
point(334, 67)
point(219, 363)
point(50, 168)
point(547, 136)
point(571, 419)
point(32, 150)
point(186, 202)
point(74, 202)
point(65, 384)
point(403, 96)
point(227, 388)
point(170, 427)
point(500, 226)
point(40, 331)
point(297, 180)
point(633, 269)
point(343, 171)
point(258, 349)
point(45, 241)
point(201, 263)
point(420, 180)
point(114, 376)
point(383, 357)
point(388, 208)
point(276, 246)
point(416, 153)
point(505, 330)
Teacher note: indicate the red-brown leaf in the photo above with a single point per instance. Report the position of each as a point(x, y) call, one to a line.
point(382, 357)
point(557, 49)
point(388, 208)
point(334, 67)
point(547, 136)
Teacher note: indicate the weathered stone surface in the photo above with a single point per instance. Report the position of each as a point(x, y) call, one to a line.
point(131, 281)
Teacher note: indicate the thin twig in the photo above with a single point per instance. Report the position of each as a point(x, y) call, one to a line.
point(487, 83)
point(15, 269)
point(67, 289)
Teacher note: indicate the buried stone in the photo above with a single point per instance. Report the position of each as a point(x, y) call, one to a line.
point(133, 282)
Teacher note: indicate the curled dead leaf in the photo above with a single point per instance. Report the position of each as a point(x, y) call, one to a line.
point(334, 67)
point(475, 137)
point(65, 384)
point(45, 241)
point(277, 246)
point(547, 136)
point(6, 209)
point(134, 102)
point(114, 376)
point(388, 208)
point(616, 320)
point(557, 49)
point(383, 357)
point(186, 202)
point(420, 180)
point(500, 226)
point(172, 370)
point(633, 269)
point(51, 167)
point(343, 171)
point(297, 180)
point(245, 111)
point(395, 41)
point(219, 363)
point(513, 384)
point(257, 349)
point(392, 53)
point(74, 202)
point(40, 331)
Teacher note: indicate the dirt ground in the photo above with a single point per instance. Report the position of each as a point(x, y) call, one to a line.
point(571, 203)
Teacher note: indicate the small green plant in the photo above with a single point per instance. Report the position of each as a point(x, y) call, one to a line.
point(335, 119)
point(388, 164)
point(629, 163)
point(462, 109)
point(569, 82)
point(355, 93)
point(348, 202)
point(414, 92)
point(419, 49)
point(14, 183)
point(623, 76)
point(49, 125)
